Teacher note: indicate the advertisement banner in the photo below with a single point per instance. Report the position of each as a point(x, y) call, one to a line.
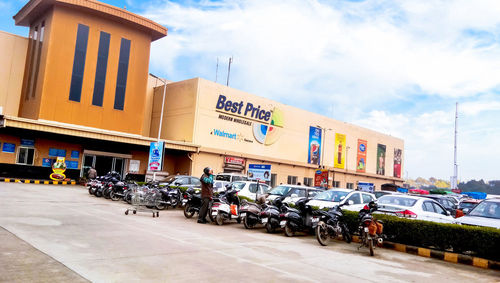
point(381, 159)
point(361, 158)
point(321, 178)
point(155, 156)
point(339, 158)
point(397, 162)
point(259, 172)
point(58, 168)
point(366, 187)
point(9, 147)
point(314, 155)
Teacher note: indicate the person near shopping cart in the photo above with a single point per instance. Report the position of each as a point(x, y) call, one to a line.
point(207, 191)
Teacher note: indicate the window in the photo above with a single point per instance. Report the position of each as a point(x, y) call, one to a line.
point(292, 180)
point(312, 193)
point(100, 72)
point(82, 37)
point(366, 198)
point(439, 209)
point(195, 181)
point(181, 181)
point(427, 206)
point(263, 189)
point(336, 184)
point(25, 155)
point(308, 181)
point(355, 198)
point(273, 180)
point(299, 192)
point(121, 79)
point(253, 188)
point(350, 186)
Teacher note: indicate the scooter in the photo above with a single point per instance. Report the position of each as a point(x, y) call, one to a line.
point(226, 208)
point(251, 213)
point(168, 197)
point(271, 215)
point(191, 200)
point(298, 219)
point(331, 225)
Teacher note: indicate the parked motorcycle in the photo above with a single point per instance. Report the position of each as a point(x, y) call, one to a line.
point(168, 197)
point(119, 190)
point(298, 219)
point(192, 202)
point(370, 229)
point(331, 224)
point(271, 215)
point(226, 208)
point(251, 214)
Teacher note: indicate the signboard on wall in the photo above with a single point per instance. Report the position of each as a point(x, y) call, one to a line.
point(47, 162)
point(155, 156)
point(321, 178)
point(361, 158)
point(75, 154)
point(134, 166)
point(366, 187)
point(314, 152)
point(397, 162)
point(340, 145)
point(27, 142)
point(234, 160)
point(381, 159)
point(8, 147)
point(259, 172)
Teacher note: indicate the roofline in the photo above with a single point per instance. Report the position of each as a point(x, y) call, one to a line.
point(157, 31)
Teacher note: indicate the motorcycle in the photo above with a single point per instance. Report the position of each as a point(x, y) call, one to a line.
point(192, 202)
point(251, 214)
point(119, 190)
point(331, 224)
point(226, 207)
point(298, 219)
point(168, 197)
point(271, 215)
point(370, 229)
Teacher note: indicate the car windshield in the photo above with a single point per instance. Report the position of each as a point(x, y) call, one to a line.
point(280, 190)
point(467, 205)
point(169, 180)
point(218, 185)
point(334, 196)
point(486, 209)
point(397, 200)
point(226, 178)
point(239, 178)
point(237, 186)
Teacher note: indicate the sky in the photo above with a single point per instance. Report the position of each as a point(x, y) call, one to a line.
point(397, 67)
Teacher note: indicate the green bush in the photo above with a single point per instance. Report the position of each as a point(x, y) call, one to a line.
point(478, 241)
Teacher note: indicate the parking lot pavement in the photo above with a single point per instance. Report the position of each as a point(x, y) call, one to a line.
point(95, 239)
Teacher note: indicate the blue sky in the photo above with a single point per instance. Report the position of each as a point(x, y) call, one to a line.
point(397, 67)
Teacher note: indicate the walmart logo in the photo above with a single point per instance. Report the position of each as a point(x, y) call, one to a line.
point(224, 134)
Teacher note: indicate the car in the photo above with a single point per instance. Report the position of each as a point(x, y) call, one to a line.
point(486, 214)
point(355, 200)
point(465, 206)
point(249, 189)
point(445, 202)
point(383, 193)
point(291, 193)
point(414, 207)
point(230, 177)
point(220, 186)
point(183, 181)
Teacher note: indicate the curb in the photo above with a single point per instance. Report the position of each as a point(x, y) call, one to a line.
point(42, 182)
point(446, 256)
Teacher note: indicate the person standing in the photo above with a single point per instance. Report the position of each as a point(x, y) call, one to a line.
point(207, 190)
point(92, 174)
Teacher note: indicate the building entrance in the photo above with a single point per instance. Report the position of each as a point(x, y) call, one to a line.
point(102, 164)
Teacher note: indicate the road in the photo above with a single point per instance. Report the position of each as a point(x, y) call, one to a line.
point(61, 233)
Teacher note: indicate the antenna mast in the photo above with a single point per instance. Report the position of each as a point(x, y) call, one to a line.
point(217, 69)
point(454, 179)
point(229, 69)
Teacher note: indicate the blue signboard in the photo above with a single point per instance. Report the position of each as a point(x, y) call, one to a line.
point(9, 147)
point(54, 152)
point(259, 172)
point(71, 164)
point(26, 142)
point(314, 153)
point(366, 187)
point(75, 154)
point(155, 156)
point(47, 162)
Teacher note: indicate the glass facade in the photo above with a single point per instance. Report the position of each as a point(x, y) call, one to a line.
point(121, 80)
point(100, 72)
point(82, 37)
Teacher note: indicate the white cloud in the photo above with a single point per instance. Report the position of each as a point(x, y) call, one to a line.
point(412, 59)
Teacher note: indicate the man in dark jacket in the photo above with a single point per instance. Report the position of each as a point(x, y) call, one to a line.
point(207, 189)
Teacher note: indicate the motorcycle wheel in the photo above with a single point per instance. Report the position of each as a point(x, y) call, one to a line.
point(113, 196)
point(322, 234)
point(246, 224)
point(345, 234)
point(269, 227)
point(159, 205)
point(187, 213)
point(90, 191)
point(98, 193)
point(219, 219)
point(370, 244)
point(289, 231)
point(106, 194)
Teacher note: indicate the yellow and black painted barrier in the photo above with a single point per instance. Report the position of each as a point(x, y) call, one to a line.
point(42, 182)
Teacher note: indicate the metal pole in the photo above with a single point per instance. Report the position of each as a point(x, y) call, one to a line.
point(323, 148)
point(229, 70)
point(161, 115)
point(455, 166)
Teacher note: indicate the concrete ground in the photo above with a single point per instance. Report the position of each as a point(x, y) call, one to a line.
point(61, 233)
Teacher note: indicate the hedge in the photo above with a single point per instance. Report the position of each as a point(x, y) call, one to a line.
point(472, 240)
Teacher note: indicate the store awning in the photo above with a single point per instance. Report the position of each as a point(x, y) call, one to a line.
point(89, 132)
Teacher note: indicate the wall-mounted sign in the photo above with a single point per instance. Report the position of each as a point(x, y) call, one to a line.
point(72, 164)
point(133, 166)
point(58, 168)
point(259, 172)
point(54, 152)
point(234, 160)
point(361, 158)
point(321, 178)
point(47, 162)
point(366, 187)
point(381, 159)
point(397, 162)
point(75, 154)
point(314, 153)
point(8, 147)
point(340, 146)
point(27, 142)
point(155, 156)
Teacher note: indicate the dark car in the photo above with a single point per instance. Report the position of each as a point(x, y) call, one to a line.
point(184, 181)
point(467, 205)
point(378, 194)
point(445, 202)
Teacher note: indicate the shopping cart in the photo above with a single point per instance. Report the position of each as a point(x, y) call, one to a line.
point(143, 200)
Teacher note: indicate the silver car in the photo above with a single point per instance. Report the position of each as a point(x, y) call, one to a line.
point(414, 207)
point(486, 213)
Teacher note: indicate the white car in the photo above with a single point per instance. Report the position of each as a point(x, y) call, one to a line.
point(486, 213)
point(220, 186)
point(250, 189)
point(230, 177)
point(414, 207)
point(355, 200)
point(292, 193)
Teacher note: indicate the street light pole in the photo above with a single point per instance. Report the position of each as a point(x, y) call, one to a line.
point(161, 115)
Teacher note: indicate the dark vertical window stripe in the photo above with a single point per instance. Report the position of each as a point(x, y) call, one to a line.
point(121, 80)
point(100, 72)
point(82, 37)
point(39, 55)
